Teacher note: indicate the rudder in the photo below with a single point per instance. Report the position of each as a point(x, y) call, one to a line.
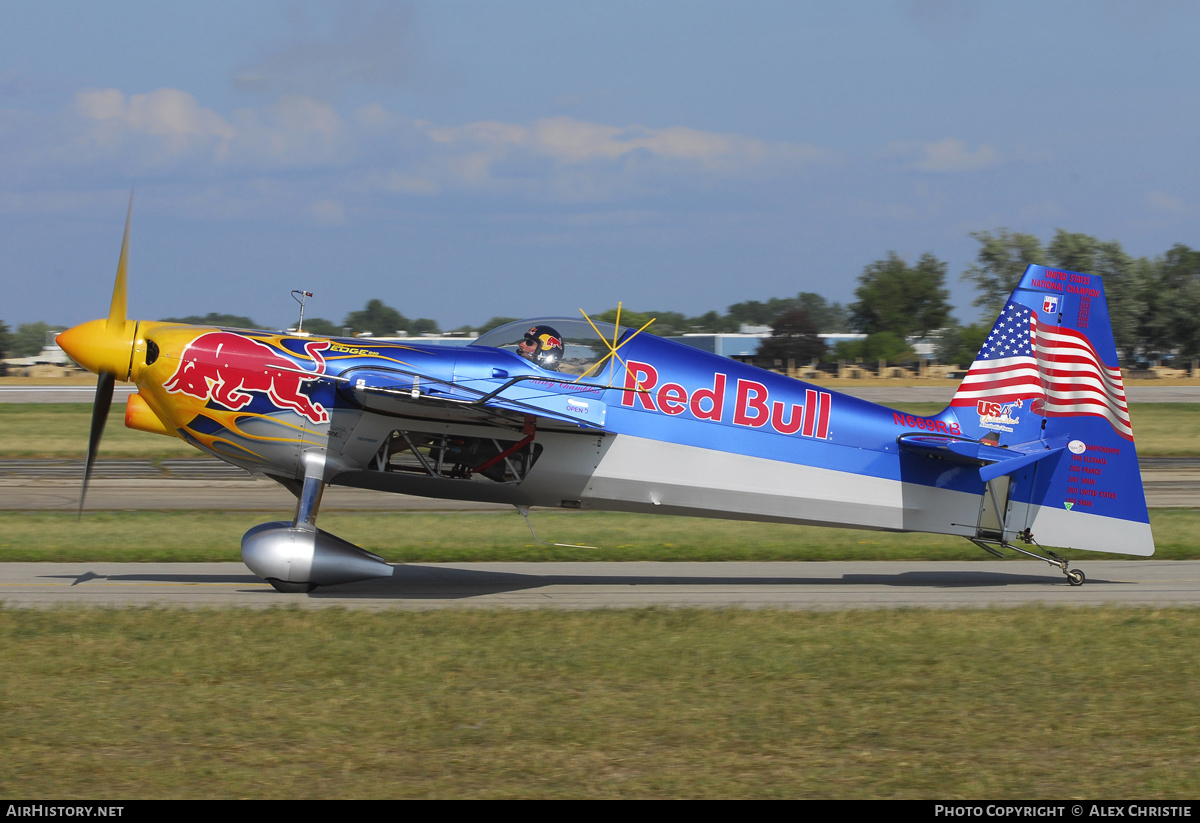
point(1046, 383)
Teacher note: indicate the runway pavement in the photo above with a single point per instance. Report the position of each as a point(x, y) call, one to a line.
point(598, 585)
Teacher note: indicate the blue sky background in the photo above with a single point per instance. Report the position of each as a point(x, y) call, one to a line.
point(461, 160)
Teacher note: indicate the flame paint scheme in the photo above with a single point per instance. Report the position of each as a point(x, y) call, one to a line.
point(1020, 454)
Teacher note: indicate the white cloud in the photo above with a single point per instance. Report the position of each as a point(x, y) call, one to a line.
point(168, 126)
point(951, 155)
point(328, 212)
point(398, 182)
point(294, 130)
point(1166, 202)
point(568, 141)
point(166, 135)
point(173, 116)
point(944, 156)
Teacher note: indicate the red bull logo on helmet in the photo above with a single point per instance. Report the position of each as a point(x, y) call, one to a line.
point(224, 368)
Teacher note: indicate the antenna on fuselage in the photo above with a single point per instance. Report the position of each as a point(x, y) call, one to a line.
point(300, 295)
point(524, 510)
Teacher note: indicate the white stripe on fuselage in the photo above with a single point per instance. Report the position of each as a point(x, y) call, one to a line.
point(643, 475)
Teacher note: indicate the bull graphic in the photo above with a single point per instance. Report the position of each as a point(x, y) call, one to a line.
point(224, 367)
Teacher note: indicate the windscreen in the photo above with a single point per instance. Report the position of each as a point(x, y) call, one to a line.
point(583, 347)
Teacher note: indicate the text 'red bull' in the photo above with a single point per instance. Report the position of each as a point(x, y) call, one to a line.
point(223, 367)
point(752, 405)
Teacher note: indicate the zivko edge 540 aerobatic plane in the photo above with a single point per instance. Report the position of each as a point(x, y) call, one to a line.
point(1036, 448)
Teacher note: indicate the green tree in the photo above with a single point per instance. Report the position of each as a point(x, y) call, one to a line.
point(423, 325)
point(1173, 305)
point(959, 345)
point(906, 300)
point(322, 327)
point(888, 347)
point(1073, 251)
point(999, 264)
point(1125, 282)
point(666, 323)
point(754, 313)
point(629, 319)
point(829, 317)
point(5, 339)
point(30, 338)
point(712, 323)
point(846, 350)
point(379, 319)
point(794, 336)
point(232, 321)
point(495, 323)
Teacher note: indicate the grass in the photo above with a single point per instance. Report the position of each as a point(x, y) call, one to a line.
point(413, 537)
point(60, 430)
point(1027, 703)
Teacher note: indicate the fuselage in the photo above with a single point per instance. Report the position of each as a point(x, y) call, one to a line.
point(683, 431)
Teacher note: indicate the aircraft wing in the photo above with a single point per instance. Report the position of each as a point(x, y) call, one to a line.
point(407, 393)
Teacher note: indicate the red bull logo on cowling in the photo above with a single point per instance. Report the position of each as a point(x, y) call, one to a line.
point(223, 368)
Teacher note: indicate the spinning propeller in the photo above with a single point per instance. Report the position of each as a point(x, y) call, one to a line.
point(612, 355)
point(106, 347)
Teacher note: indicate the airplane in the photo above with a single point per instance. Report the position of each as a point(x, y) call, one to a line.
point(1035, 449)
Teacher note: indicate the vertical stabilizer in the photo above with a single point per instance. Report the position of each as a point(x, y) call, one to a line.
point(1046, 381)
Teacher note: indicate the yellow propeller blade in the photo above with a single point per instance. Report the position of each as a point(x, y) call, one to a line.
point(116, 311)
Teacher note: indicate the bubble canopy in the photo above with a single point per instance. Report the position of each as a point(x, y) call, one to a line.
point(583, 347)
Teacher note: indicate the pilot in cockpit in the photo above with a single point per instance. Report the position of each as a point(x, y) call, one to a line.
point(543, 346)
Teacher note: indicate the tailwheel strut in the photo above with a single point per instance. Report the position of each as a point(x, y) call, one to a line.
point(1074, 576)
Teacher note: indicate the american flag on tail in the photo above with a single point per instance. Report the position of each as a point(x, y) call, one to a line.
point(1055, 364)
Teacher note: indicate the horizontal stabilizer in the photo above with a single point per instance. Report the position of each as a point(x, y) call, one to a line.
point(993, 461)
point(1014, 462)
point(955, 449)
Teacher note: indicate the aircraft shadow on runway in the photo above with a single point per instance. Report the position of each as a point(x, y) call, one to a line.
point(416, 582)
point(244, 579)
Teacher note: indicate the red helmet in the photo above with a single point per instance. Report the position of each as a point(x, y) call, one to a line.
point(543, 345)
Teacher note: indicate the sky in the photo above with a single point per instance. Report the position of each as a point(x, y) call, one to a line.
point(462, 160)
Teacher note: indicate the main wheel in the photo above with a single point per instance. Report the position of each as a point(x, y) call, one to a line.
point(1076, 577)
point(291, 588)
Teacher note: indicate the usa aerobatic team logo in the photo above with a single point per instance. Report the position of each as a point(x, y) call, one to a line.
point(223, 367)
point(998, 416)
point(1050, 303)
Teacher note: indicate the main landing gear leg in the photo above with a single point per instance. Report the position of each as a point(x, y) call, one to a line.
point(308, 502)
point(1074, 576)
point(297, 557)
